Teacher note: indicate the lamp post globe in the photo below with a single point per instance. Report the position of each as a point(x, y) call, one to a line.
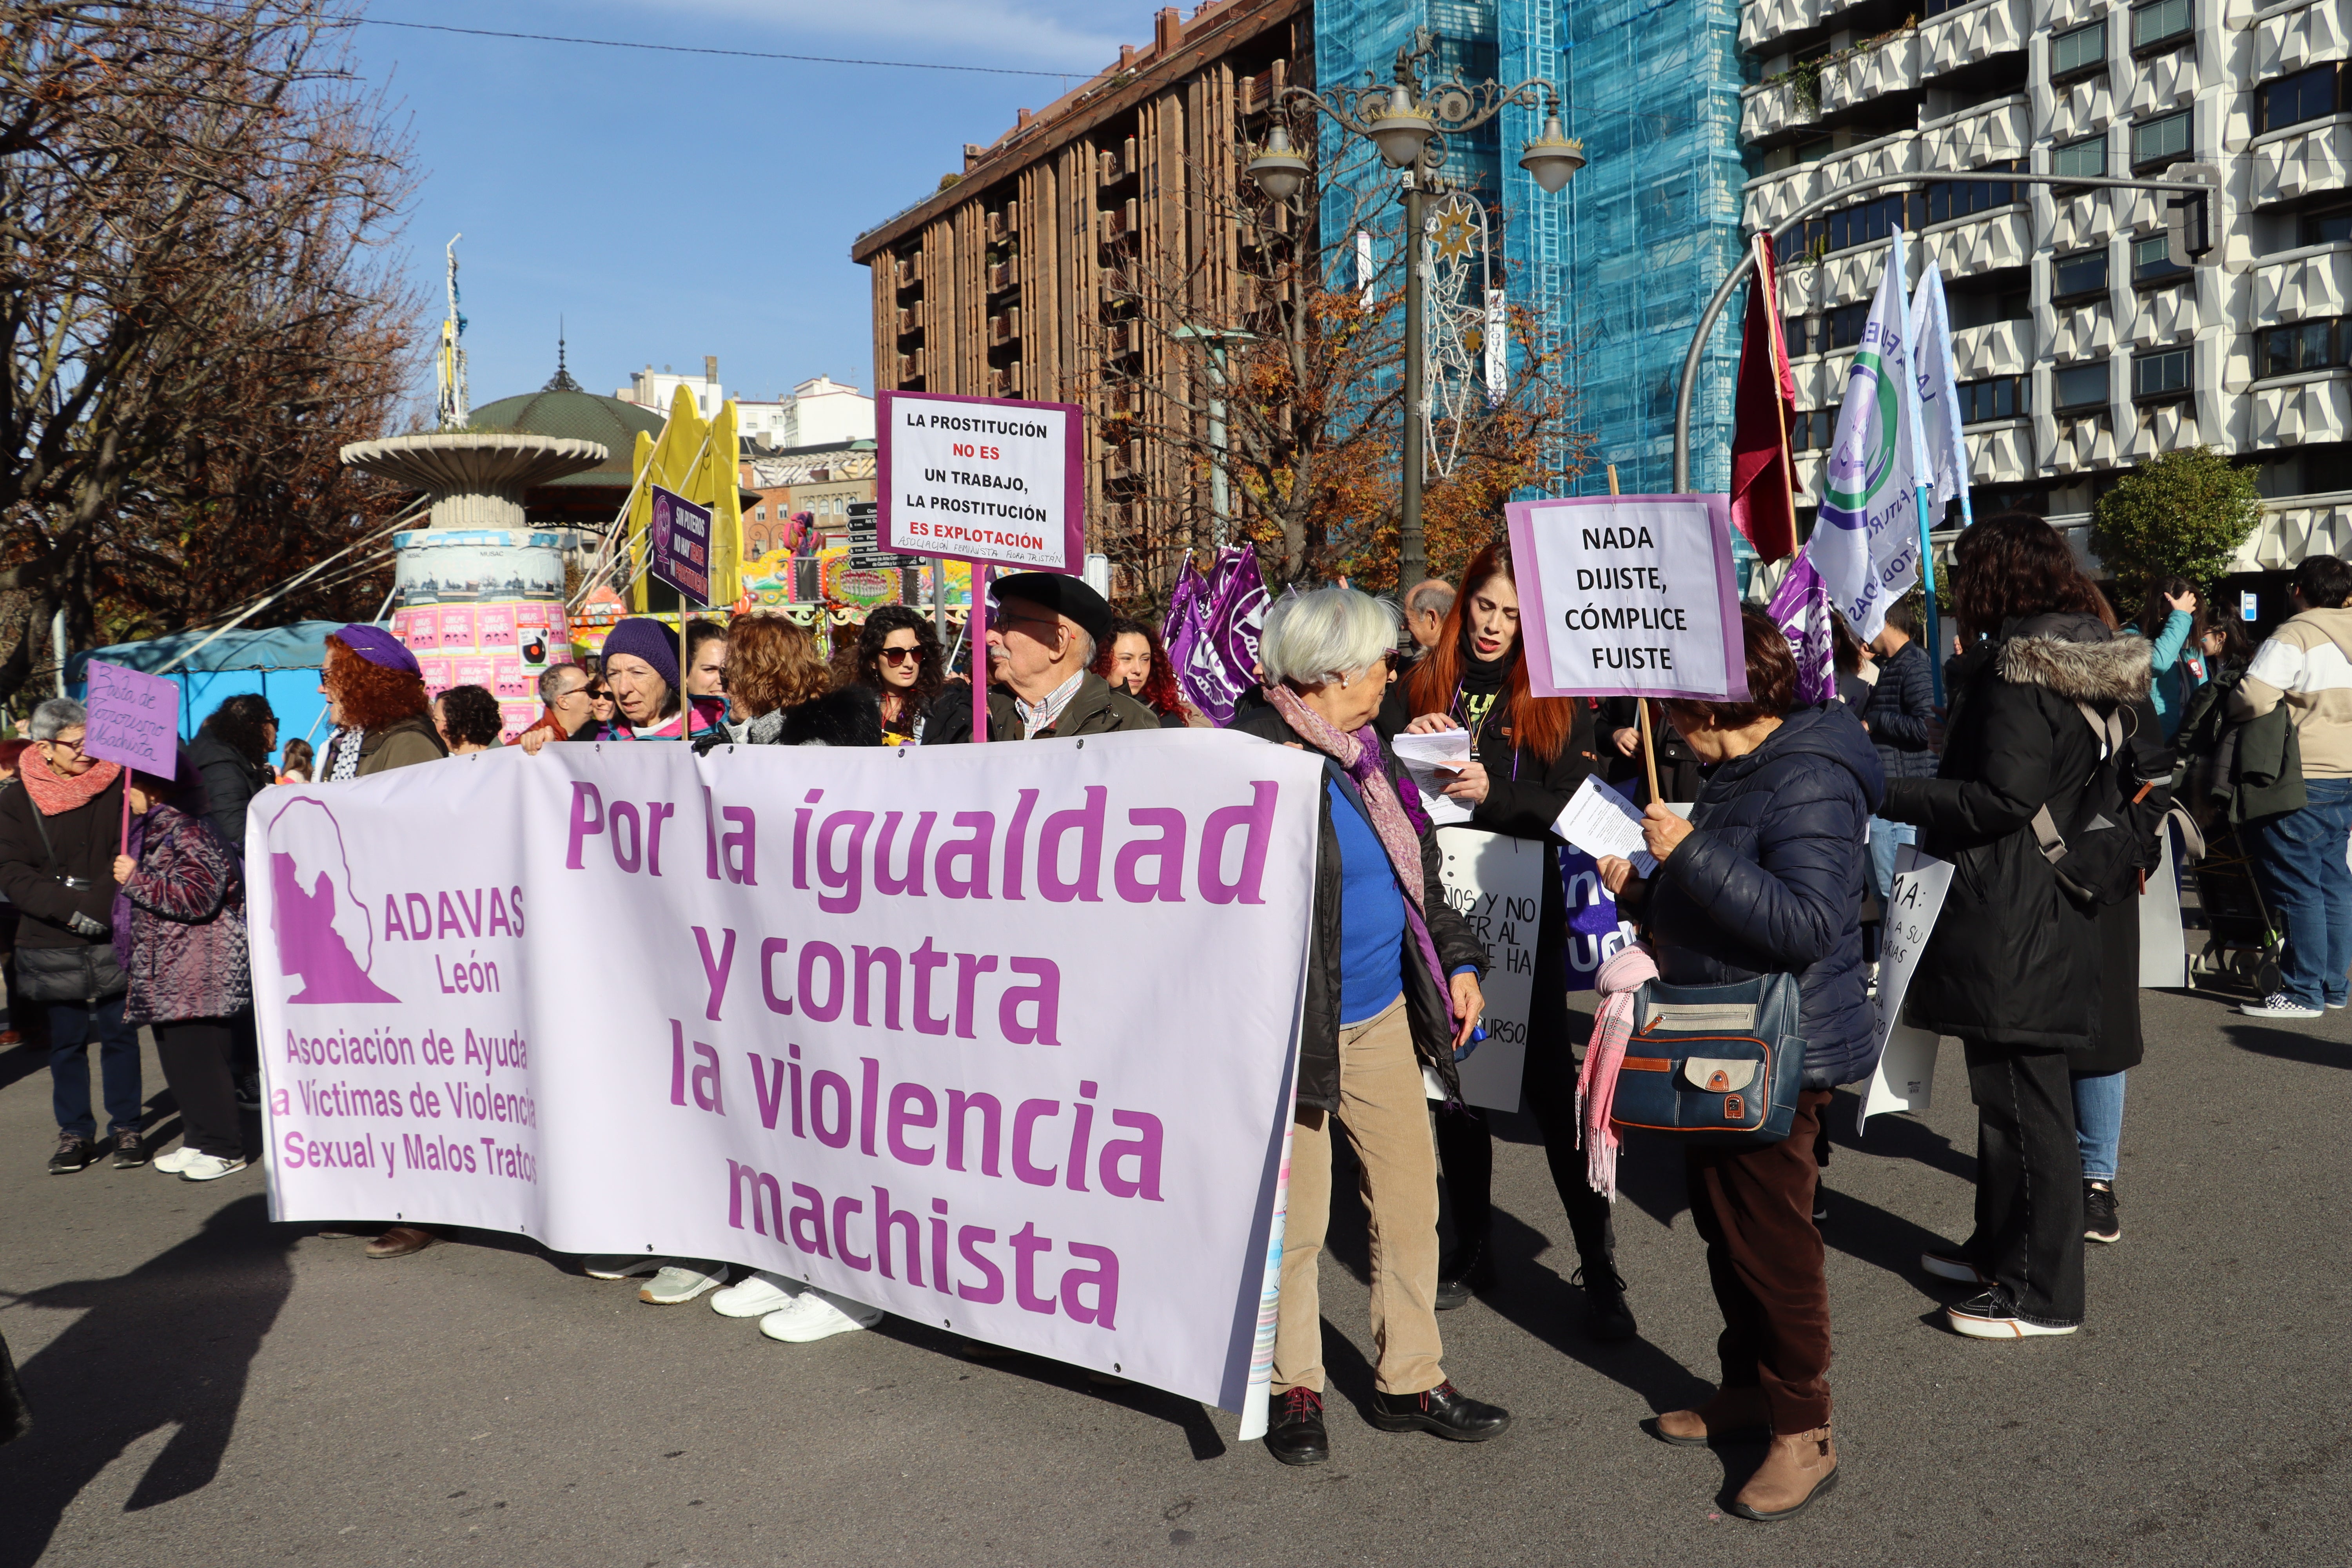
point(1401, 130)
point(1278, 170)
point(1552, 157)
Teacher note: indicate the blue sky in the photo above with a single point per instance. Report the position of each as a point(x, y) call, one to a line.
point(669, 206)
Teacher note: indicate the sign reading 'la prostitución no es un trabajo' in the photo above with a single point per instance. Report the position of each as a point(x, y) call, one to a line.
point(990, 479)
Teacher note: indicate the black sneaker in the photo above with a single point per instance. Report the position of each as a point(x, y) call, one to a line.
point(75, 1152)
point(130, 1150)
point(1607, 1317)
point(1462, 1275)
point(2099, 1221)
point(1994, 1316)
point(248, 1091)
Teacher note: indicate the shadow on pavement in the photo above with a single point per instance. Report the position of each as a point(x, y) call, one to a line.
point(168, 1345)
point(2289, 1046)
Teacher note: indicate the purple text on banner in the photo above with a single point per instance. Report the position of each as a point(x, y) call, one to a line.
point(134, 718)
point(681, 545)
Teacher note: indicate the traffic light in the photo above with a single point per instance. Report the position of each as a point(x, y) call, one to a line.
point(2188, 216)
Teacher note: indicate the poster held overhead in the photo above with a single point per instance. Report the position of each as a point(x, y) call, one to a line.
point(1632, 596)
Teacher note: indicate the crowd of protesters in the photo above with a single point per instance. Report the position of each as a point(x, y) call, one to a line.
point(1775, 834)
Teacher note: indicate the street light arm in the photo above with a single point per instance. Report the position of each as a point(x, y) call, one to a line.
point(1844, 195)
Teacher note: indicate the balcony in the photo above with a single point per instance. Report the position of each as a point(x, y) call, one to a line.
point(910, 366)
point(1763, 22)
point(1004, 327)
point(2300, 162)
point(2296, 414)
point(1973, 34)
point(2294, 39)
point(1989, 134)
point(2312, 284)
point(910, 270)
point(2289, 534)
point(1121, 339)
point(1873, 71)
point(1766, 112)
point(1001, 277)
point(910, 319)
point(1004, 381)
point(1986, 242)
point(1123, 460)
point(1116, 224)
point(2001, 455)
point(1113, 164)
point(1772, 197)
point(1003, 225)
point(1997, 347)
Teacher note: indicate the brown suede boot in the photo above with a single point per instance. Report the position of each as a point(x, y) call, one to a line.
point(1733, 1416)
point(1797, 1468)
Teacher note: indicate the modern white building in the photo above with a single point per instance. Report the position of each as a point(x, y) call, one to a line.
point(649, 388)
point(819, 412)
point(2081, 351)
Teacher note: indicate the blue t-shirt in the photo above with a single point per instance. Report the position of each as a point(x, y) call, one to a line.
point(1371, 916)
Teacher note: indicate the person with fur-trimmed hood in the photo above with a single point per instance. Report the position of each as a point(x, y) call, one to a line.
point(2013, 966)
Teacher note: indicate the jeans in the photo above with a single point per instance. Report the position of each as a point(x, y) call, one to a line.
point(72, 1026)
point(2098, 1123)
point(2310, 888)
point(1884, 837)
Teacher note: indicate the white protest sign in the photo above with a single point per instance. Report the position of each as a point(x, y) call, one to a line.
point(1495, 883)
point(991, 479)
point(2163, 951)
point(1904, 1075)
point(1629, 596)
point(855, 1016)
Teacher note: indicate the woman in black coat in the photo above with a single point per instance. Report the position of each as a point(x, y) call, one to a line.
point(2013, 968)
point(1766, 877)
point(1528, 755)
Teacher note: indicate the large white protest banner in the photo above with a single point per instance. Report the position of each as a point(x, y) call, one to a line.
point(998, 1040)
point(1628, 596)
point(991, 479)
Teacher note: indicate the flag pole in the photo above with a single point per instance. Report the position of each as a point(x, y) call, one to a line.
point(1924, 473)
point(1780, 366)
point(1642, 704)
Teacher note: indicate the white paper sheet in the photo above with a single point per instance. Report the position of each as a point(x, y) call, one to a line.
point(1422, 755)
point(1905, 1072)
point(1600, 821)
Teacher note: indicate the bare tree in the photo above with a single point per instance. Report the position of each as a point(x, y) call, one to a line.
point(193, 194)
point(1267, 397)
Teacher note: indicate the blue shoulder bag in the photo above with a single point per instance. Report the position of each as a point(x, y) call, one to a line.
point(1712, 1064)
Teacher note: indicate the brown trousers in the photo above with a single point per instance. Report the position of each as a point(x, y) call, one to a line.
point(1386, 1114)
point(1754, 1207)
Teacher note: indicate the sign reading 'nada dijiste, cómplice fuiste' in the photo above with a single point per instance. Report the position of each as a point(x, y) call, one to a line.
point(1629, 596)
point(981, 478)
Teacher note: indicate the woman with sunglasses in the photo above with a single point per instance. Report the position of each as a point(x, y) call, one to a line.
point(1527, 755)
point(898, 661)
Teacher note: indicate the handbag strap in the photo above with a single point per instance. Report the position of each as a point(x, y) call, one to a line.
point(42, 829)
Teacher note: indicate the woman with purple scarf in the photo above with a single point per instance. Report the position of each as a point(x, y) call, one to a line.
point(1392, 990)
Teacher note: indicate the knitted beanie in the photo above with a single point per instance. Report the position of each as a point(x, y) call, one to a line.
point(647, 639)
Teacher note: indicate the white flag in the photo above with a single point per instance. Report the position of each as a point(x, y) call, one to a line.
point(1866, 541)
point(1946, 463)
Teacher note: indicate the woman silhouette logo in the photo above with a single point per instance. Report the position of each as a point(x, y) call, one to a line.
point(321, 922)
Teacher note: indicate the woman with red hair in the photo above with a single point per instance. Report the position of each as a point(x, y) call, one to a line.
point(1528, 754)
point(375, 694)
point(1134, 660)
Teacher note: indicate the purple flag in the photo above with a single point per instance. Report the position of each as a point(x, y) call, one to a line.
point(1212, 631)
point(1801, 607)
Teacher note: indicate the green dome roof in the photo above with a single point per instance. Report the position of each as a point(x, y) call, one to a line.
point(581, 415)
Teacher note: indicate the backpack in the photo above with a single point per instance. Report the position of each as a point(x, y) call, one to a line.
point(2118, 838)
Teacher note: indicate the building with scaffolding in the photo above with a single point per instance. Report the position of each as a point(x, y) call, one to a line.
point(1619, 268)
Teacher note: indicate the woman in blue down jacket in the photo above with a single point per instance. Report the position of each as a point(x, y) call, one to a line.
point(1766, 877)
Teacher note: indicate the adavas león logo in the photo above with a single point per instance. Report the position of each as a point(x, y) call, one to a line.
point(1863, 459)
point(321, 921)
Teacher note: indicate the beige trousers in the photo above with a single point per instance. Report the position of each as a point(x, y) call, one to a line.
point(1386, 1114)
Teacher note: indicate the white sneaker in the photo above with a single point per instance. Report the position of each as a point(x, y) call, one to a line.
point(682, 1282)
point(207, 1168)
point(817, 1315)
point(759, 1294)
point(2279, 1004)
point(624, 1265)
point(172, 1164)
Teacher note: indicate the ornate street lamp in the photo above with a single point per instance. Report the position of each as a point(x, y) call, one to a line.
point(1408, 124)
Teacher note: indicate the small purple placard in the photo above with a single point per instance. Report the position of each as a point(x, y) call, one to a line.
point(1629, 596)
point(990, 479)
point(680, 553)
point(134, 718)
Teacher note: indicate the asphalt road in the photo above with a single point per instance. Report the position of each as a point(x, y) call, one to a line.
point(213, 1389)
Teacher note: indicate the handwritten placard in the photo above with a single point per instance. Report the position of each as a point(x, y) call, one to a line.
point(1497, 884)
point(1905, 1076)
point(134, 718)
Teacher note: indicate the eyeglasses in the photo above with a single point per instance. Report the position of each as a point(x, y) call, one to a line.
point(63, 744)
point(900, 654)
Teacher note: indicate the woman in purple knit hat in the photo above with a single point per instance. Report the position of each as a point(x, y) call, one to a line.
point(641, 666)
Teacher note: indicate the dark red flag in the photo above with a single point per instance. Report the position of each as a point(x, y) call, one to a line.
point(1763, 473)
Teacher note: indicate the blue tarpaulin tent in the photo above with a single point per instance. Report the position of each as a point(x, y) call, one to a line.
point(280, 662)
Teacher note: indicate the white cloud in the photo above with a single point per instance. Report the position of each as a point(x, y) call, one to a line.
point(1076, 36)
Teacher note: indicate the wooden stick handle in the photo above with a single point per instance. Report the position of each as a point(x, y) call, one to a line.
point(1649, 745)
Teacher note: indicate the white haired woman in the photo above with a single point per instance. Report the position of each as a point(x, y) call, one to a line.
point(1391, 984)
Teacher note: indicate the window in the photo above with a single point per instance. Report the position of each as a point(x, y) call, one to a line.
point(2307, 346)
point(2078, 160)
point(1845, 324)
point(1872, 220)
point(1999, 397)
point(2159, 142)
point(1799, 330)
point(2328, 226)
point(2152, 262)
point(2161, 378)
point(2161, 22)
point(1949, 199)
point(2080, 389)
point(2080, 276)
point(1814, 428)
point(2078, 51)
point(2292, 100)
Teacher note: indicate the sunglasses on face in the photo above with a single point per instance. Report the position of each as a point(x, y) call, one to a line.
point(900, 654)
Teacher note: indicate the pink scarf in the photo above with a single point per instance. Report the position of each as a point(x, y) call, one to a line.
point(54, 795)
point(1596, 1086)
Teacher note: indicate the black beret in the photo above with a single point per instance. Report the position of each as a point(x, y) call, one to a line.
point(1062, 595)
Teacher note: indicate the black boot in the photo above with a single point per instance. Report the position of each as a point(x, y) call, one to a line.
point(1295, 1435)
point(1445, 1410)
point(1607, 1317)
point(1467, 1269)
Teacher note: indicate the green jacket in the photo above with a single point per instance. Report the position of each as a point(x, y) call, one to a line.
point(2268, 771)
point(1096, 710)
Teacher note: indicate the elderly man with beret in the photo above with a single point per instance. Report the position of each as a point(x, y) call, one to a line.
point(1045, 629)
